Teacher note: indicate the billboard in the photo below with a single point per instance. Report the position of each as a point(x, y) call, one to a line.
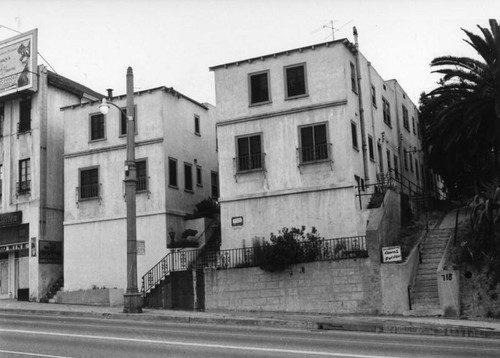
point(18, 63)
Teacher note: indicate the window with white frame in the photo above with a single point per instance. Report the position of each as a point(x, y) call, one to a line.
point(314, 145)
point(259, 87)
point(89, 183)
point(295, 81)
point(97, 126)
point(197, 130)
point(24, 183)
point(249, 153)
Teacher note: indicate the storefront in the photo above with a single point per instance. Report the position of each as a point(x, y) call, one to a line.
point(14, 256)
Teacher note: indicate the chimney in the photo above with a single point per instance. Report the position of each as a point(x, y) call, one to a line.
point(110, 93)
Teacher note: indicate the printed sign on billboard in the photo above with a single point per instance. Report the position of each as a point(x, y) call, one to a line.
point(18, 63)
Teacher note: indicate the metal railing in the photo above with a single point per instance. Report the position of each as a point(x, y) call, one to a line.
point(23, 187)
point(321, 250)
point(312, 154)
point(142, 183)
point(247, 163)
point(88, 191)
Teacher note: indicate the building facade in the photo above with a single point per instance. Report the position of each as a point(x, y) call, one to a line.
point(31, 169)
point(176, 169)
point(301, 133)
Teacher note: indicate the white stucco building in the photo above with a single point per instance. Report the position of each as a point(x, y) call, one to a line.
point(31, 168)
point(176, 168)
point(298, 130)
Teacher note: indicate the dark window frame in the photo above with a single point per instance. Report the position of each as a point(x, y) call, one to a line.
point(24, 176)
point(288, 85)
point(199, 176)
point(354, 85)
point(374, 96)
point(253, 161)
point(97, 130)
point(173, 174)
point(188, 178)
point(354, 135)
point(316, 152)
point(371, 149)
point(24, 115)
point(386, 112)
point(124, 119)
point(197, 129)
point(214, 183)
point(406, 120)
point(251, 85)
point(92, 190)
point(142, 184)
point(2, 118)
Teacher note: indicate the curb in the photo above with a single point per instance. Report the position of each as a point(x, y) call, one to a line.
point(411, 328)
point(338, 325)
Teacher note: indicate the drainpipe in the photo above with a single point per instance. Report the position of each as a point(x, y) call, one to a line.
point(371, 105)
point(361, 108)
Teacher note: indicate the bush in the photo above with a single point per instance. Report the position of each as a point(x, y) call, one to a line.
point(207, 208)
point(288, 247)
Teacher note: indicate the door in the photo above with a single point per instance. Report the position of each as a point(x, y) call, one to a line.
point(4, 279)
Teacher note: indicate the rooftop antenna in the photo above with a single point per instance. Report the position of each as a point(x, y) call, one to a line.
point(330, 26)
point(43, 58)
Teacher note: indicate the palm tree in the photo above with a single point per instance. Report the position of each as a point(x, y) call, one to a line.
point(462, 115)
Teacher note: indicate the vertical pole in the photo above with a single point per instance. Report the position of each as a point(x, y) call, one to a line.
point(132, 298)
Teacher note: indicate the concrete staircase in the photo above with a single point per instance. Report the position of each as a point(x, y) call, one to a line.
point(424, 295)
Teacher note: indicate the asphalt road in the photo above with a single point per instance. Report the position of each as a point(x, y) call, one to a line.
point(49, 336)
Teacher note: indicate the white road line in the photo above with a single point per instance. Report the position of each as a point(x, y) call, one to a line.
point(33, 354)
point(191, 344)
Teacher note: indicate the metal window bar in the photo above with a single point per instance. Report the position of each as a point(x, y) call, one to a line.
point(23, 187)
point(251, 162)
point(142, 183)
point(316, 153)
point(89, 191)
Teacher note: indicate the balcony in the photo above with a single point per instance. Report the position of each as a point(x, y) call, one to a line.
point(89, 191)
point(142, 184)
point(250, 163)
point(314, 154)
point(23, 187)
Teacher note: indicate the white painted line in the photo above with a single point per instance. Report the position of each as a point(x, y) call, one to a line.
point(191, 344)
point(33, 354)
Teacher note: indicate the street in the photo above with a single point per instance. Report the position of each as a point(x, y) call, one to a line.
point(49, 336)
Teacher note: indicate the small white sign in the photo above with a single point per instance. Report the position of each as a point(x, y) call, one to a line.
point(141, 247)
point(392, 254)
point(237, 221)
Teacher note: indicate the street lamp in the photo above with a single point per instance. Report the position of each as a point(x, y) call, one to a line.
point(132, 299)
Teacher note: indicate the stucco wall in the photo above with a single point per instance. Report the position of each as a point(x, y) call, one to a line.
point(347, 286)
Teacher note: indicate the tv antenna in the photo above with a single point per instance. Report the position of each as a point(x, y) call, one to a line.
point(330, 26)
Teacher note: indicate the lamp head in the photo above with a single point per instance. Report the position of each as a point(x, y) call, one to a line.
point(104, 106)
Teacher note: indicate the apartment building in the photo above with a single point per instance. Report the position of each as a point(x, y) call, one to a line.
point(301, 134)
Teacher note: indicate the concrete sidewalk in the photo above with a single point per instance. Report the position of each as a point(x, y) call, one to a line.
point(360, 323)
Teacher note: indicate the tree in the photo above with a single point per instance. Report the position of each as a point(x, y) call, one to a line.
point(462, 115)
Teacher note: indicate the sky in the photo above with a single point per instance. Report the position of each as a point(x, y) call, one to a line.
point(174, 42)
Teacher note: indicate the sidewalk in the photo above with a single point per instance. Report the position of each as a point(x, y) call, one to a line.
point(359, 323)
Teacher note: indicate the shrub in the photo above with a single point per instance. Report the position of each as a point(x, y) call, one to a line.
point(288, 247)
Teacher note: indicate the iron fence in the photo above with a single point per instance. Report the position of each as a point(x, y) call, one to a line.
point(308, 251)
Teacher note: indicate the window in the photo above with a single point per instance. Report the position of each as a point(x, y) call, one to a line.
point(354, 135)
point(295, 79)
point(188, 177)
point(172, 172)
point(249, 155)
point(142, 175)
point(197, 125)
point(89, 183)
point(411, 163)
point(416, 169)
point(388, 160)
point(353, 79)
point(406, 122)
point(24, 116)
point(396, 167)
point(1, 182)
point(370, 148)
point(386, 109)
point(123, 121)
point(413, 125)
point(96, 126)
point(23, 186)
point(199, 179)
point(374, 96)
point(1, 118)
point(259, 87)
point(214, 179)
point(314, 143)
point(380, 159)
point(406, 160)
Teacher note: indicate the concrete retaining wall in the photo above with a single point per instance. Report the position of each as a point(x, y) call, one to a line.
point(346, 286)
point(97, 297)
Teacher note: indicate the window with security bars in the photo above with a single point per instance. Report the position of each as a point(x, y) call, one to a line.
point(25, 115)
point(142, 175)
point(89, 183)
point(313, 144)
point(295, 81)
point(24, 184)
point(259, 87)
point(249, 153)
point(97, 126)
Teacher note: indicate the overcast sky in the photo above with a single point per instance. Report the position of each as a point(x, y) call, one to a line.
point(174, 42)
